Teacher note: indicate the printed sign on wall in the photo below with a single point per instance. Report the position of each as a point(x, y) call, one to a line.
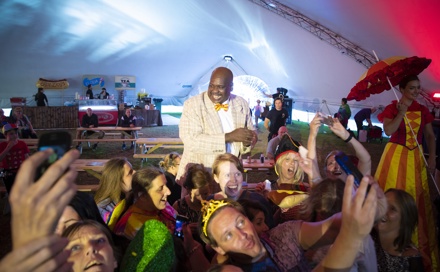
point(125, 83)
point(97, 81)
point(52, 84)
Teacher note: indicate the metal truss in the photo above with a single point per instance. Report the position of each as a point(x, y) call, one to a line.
point(345, 46)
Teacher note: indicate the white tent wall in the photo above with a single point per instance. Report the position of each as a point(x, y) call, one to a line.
point(168, 45)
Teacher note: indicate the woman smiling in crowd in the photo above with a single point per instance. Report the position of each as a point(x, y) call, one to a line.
point(148, 200)
point(228, 173)
point(394, 248)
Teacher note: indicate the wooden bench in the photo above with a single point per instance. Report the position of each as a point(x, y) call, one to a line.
point(164, 146)
point(116, 134)
point(113, 129)
point(154, 155)
point(149, 145)
point(146, 151)
point(249, 186)
point(107, 140)
point(92, 164)
point(82, 187)
point(87, 187)
point(104, 140)
point(116, 130)
point(149, 156)
point(31, 143)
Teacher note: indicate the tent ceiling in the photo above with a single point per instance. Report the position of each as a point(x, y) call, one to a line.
point(170, 45)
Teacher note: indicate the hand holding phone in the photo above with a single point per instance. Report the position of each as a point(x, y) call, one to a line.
point(327, 119)
point(349, 168)
point(59, 141)
point(180, 221)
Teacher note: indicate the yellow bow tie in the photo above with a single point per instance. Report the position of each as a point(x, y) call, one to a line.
point(219, 106)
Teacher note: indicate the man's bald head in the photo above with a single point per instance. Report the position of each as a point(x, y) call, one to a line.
point(220, 85)
point(224, 73)
point(281, 131)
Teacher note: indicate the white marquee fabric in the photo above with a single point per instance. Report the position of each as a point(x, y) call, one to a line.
point(171, 46)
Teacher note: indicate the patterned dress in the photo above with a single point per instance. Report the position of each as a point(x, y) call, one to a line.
point(401, 166)
point(390, 263)
point(184, 209)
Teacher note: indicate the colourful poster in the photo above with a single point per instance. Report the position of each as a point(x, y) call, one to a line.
point(125, 83)
point(97, 81)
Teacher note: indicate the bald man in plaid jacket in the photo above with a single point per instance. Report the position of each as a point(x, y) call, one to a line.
point(215, 122)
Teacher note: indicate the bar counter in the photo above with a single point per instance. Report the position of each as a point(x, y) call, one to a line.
point(52, 117)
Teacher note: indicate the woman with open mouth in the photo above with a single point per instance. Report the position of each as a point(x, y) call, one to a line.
point(332, 169)
point(393, 234)
point(147, 201)
point(289, 166)
point(227, 171)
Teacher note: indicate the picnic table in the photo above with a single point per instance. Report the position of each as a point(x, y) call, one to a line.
point(257, 165)
point(105, 129)
point(149, 145)
point(92, 164)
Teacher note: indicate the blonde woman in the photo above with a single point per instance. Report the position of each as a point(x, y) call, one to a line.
point(290, 168)
point(114, 185)
point(169, 166)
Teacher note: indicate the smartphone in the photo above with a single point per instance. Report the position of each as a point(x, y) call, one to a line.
point(327, 119)
point(349, 168)
point(59, 141)
point(180, 221)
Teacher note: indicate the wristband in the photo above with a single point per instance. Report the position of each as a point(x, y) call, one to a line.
point(348, 139)
point(315, 180)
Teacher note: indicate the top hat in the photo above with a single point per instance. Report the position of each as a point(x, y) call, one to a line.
point(287, 144)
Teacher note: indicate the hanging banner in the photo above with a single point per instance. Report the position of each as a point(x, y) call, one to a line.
point(125, 83)
point(97, 81)
point(52, 84)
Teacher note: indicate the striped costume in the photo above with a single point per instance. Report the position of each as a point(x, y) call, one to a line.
point(401, 166)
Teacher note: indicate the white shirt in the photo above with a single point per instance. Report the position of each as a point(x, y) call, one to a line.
point(227, 124)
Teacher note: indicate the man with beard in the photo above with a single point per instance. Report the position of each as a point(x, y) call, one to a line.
point(215, 122)
point(273, 143)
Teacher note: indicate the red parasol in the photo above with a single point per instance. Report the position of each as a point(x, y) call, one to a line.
point(374, 80)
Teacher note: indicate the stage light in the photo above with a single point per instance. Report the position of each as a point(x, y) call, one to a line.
point(436, 96)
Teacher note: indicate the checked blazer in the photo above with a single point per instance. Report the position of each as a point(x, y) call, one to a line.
point(201, 130)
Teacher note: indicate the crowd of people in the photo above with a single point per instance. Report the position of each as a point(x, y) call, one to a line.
point(191, 212)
